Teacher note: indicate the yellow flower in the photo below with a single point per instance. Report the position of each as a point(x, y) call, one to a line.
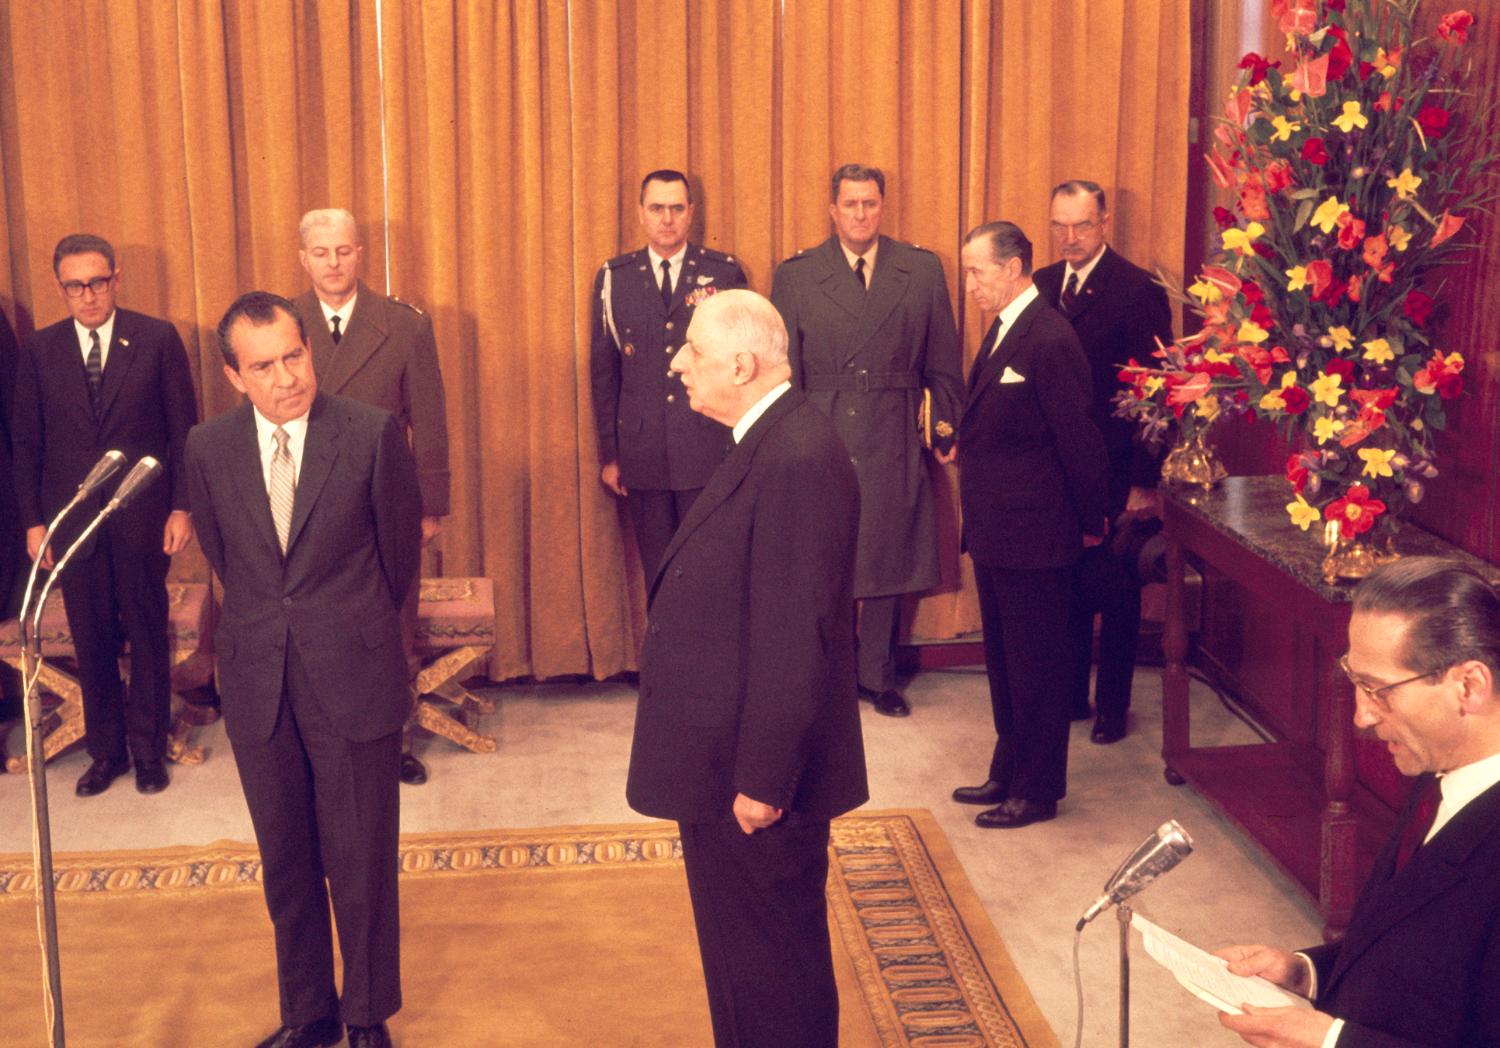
point(1350, 118)
point(1273, 401)
point(1284, 128)
point(1154, 384)
point(1405, 184)
point(1343, 338)
point(1378, 351)
point(1207, 408)
point(1325, 429)
point(1217, 356)
point(1327, 389)
point(1205, 291)
point(1383, 64)
point(1251, 332)
point(1326, 216)
point(1240, 240)
point(1296, 278)
point(1397, 237)
point(1377, 462)
point(1302, 514)
point(1288, 378)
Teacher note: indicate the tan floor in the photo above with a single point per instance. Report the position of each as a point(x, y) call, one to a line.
point(563, 751)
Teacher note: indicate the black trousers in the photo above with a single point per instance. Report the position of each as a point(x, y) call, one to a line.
point(113, 595)
point(878, 618)
point(1028, 655)
point(655, 516)
point(762, 922)
point(1109, 587)
point(326, 809)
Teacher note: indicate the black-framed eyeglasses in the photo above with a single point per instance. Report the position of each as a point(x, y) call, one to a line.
point(76, 288)
point(1377, 693)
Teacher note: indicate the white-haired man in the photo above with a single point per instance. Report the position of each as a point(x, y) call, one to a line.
point(747, 732)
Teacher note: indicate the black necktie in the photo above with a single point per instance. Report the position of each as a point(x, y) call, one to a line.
point(666, 284)
point(1069, 293)
point(336, 334)
point(984, 354)
point(94, 365)
point(859, 273)
point(1421, 821)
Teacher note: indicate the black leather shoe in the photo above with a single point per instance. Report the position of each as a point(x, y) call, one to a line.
point(1108, 728)
point(889, 702)
point(100, 774)
point(1015, 813)
point(990, 793)
point(1083, 712)
point(413, 773)
point(369, 1036)
point(150, 776)
point(318, 1034)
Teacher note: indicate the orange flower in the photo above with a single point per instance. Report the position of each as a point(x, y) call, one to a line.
point(1311, 77)
point(1355, 512)
point(1375, 250)
point(1447, 225)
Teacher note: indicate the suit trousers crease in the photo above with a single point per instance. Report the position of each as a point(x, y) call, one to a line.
point(878, 618)
point(1028, 655)
point(762, 920)
point(112, 595)
point(1105, 585)
point(327, 808)
point(655, 516)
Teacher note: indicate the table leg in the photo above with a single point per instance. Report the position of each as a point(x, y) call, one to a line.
point(1175, 712)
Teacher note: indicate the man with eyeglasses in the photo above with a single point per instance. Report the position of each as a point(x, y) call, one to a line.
point(102, 379)
point(1119, 312)
point(655, 452)
point(1420, 962)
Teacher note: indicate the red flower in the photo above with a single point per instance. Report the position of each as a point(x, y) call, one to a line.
point(1356, 287)
point(1223, 218)
point(1296, 399)
point(1384, 102)
point(1253, 198)
point(1267, 252)
point(1339, 56)
point(1374, 399)
point(1355, 512)
point(1351, 231)
point(1417, 307)
point(1262, 317)
point(1296, 468)
point(1336, 5)
point(1319, 275)
point(1375, 250)
point(1433, 121)
point(1448, 224)
point(1442, 375)
point(1455, 26)
point(1314, 152)
point(1258, 67)
point(1254, 296)
point(1277, 175)
point(1343, 367)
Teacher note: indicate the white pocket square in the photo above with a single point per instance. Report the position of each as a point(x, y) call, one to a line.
point(1011, 375)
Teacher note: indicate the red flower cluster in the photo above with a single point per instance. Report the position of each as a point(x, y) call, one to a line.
point(1453, 26)
point(1355, 512)
point(1441, 374)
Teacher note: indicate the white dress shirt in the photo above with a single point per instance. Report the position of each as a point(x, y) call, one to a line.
point(106, 332)
point(1009, 314)
point(344, 312)
point(674, 265)
point(1083, 271)
point(758, 409)
point(868, 256)
point(265, 439)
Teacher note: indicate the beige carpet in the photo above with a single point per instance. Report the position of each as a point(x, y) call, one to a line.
point(568, 936)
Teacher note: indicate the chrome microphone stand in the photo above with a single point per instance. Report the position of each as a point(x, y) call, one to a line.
point(1123, 912)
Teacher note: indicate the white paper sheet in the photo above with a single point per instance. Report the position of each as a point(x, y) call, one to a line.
point(1208, 977)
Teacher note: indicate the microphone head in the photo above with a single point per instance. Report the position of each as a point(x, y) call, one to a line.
point(1164, 849)
point(106, 467)
point(140, 475)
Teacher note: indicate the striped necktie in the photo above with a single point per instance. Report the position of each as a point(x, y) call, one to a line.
point(94, 366)
point(282, 487)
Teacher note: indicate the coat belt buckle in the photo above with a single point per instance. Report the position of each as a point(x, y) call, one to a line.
point(862, 381)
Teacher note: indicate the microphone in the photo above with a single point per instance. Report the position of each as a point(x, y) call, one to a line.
point(1157, 854)
point(105, 468)
point(140, 475)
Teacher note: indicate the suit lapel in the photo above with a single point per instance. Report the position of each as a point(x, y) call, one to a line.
point(837, 280)
point(887, 289)
point(365, 334)
point(318, 456)
point(988, 367)
point(121, 355)
point(69, 356)
point(685, 280)
point(249, 477)
point(1095, 289)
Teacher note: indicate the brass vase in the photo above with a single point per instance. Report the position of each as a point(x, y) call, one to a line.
point(1192, 461)
point(1354, 558)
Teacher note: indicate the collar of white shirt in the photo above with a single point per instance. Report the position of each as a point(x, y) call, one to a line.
point(265, 436)
point(675, 263)
point(1009, 314)
point(1084, 271)
point(758, 409)
point(344, 312)
point(868, 256)
point(106, 332)
point(1462, 785)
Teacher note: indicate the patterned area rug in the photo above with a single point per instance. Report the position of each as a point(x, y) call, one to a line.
point(575, 935)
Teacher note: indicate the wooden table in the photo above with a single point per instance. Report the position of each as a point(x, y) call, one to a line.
point(190, 616)
point(1299, 797)
point(455, 630)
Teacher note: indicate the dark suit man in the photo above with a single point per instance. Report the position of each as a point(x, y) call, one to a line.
point(655, 452)
point(107, 378)
point(1031, 487)
point(307, 509)
point(1421, 959)
point(1119, 312)
point(380, 351)
point(870, 327)
point(747, 732)
point(11, 546)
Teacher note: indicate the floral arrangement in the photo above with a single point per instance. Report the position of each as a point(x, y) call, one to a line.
point(1351, 171)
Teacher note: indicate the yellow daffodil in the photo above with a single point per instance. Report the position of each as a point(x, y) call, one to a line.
point(1251, 332)
point(1377, 462)
point(1326, 216)
point(1302, 514)
point(1208, 408)
point(1343, 338)
point(1405, 184)
point(1242, 240)
point(1327, 389)
point(1273, 401)
point(1377, 351)
point(1397, 237)
point(1217, 356)
point(1296, 278)
point(1284, 128)
point(1153, 385)
point(1288, 378)
point(1205, 291)
point(1350, 118)
point(1325, 429)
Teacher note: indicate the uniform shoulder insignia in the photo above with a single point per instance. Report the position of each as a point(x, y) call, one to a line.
point(716, 256)
point(621, 260)
point(924, 250)
point(802, 253)
point(414, 308)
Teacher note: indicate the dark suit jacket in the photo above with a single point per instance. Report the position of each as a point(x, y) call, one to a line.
point(747, 675)
point(1030, 462)
point(388, 357)
point(641, 412)
point(1119, 314)
point(901, 326)
point(1420, 964)
point(147, 409)
point(351, 559)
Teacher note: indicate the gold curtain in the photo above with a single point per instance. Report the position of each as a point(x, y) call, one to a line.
point(500, 156)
